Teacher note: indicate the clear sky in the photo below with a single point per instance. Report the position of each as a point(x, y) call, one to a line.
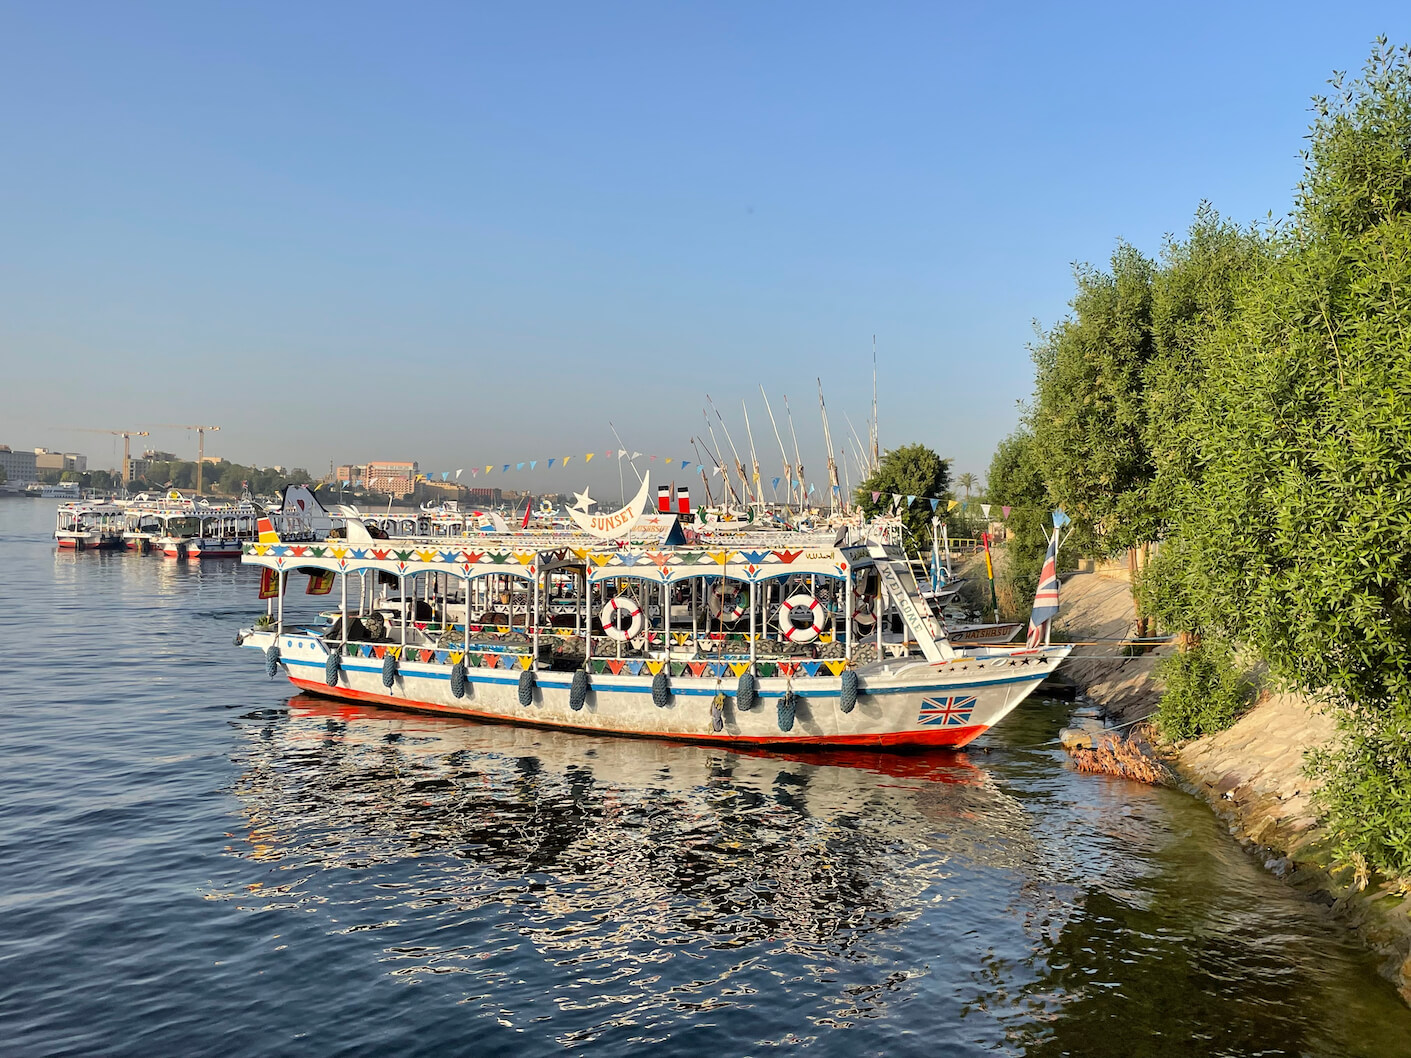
point(470, 234)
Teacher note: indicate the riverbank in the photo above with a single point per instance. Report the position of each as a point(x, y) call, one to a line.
point(1252, 774)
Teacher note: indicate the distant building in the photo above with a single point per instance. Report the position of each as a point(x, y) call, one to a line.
point(154, 456)
point(485, 497)
point(19, 467)
point(44, 460)
point(352, 473)
point(393, 478)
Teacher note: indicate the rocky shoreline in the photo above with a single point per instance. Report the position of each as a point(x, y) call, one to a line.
point(1252, 774)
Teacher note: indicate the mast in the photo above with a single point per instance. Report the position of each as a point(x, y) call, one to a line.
point(828, 443)
point(860, 446)
point(739, 463)
point(788, 471)
point(705, 481)
point(876, 455)
point(798, 459)
point(754, 459)
point(720, 460)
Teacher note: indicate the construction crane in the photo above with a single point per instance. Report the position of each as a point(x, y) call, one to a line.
point(126, 435)
point(200, 446)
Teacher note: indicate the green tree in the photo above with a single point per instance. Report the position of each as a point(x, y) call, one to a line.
point(1089, 412)
point(1294, 537)
point(1016, 480)
point(911, 470)
point(966, 481)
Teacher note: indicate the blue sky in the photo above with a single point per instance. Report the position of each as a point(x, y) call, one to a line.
point(475, 234)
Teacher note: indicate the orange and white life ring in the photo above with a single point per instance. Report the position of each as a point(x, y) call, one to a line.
point(611, 615)
point(865, 615)
point(797, 608)
point(725, 604)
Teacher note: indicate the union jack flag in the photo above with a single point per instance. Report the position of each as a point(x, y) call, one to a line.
point(946, 712)
point(1046, 598)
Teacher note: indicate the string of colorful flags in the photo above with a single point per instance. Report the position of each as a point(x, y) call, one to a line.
point(900, 500)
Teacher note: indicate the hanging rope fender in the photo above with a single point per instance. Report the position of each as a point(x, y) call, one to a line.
point(848, 697)
point(578, 690)
point(272, 661)
point(389, 669)
point(717, 712)
point(608, 617)
point(526, 687)
point(458, 679)
point(788, 707)
point(331, 668)
point(661, 689)
point(802, 607)
point(745, 693)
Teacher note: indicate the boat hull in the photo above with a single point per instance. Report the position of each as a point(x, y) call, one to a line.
point(903, 704)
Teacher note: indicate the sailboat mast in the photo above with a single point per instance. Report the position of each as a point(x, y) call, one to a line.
point(754, 459)
point(705, 481)
point(788, 472)
point(739, 463)
point(798, 459)
point(720, 461)
point(828, 442)
point(876, 455)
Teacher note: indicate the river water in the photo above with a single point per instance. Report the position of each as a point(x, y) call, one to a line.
point(195, 861)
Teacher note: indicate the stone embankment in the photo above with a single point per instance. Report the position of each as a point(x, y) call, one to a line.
point(1252, 774)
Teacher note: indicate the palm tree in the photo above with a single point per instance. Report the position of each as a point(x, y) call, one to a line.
point(967, 482)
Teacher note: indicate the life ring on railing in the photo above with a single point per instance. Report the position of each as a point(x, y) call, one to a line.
point(802, 607)
point(865, 616)
point(724, 603)
point(611, 615)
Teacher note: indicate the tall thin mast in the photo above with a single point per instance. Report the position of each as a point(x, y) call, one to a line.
point(788, 471)
point(705, 481)
point(798, 459)
point(739, 463)
point(860, 446)
point(720, 460)
point(876, 454)
point(833, 485)
point(754, 459)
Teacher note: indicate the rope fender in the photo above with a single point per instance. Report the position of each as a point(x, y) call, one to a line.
point(389, 669)
point(745, 693)
point(848, 698)
point(661, 689)
point(526, 687)
point(788, 706)
point(458, 679)
point(578, 689)
point(331, 668)
point(272, 661)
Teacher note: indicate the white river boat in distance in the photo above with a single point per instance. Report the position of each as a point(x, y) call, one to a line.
point(753, 638)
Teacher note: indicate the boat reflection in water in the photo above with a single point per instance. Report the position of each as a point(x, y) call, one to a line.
point(644, 874)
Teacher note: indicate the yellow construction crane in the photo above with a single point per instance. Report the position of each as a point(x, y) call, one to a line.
point(126, 435)
point(200, 446)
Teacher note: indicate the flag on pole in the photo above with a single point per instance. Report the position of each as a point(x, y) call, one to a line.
point(1059, 518)
point(1046, 598)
